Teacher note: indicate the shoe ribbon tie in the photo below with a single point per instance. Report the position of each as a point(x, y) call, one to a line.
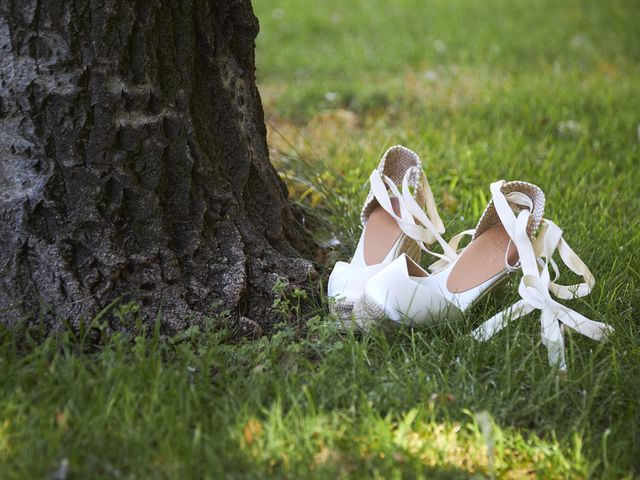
point(536, 286)
point(424, 228)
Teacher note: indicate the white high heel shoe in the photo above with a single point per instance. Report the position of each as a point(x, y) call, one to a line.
point(504, 241)
point(389, 227)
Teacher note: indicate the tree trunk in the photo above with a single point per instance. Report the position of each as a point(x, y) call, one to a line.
point(134, 163)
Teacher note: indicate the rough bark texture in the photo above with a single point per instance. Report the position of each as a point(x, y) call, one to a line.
point(134, 162)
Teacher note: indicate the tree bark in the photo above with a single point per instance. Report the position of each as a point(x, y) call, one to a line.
point(134, 163)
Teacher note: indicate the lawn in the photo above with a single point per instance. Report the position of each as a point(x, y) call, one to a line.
point(547, 92)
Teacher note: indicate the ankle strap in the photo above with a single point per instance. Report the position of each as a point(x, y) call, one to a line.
point(536, 286)
point(424, 228)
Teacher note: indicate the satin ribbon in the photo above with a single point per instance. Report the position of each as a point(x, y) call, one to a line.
point(424, 228)
point(536, 286)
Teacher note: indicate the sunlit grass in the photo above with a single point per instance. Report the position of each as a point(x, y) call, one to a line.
point(336, 445)
point(323, 404)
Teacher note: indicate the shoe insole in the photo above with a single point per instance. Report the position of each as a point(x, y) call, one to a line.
point(381, 233)
point(483, 259)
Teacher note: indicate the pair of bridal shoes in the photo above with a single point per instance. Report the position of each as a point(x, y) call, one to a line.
point(384, 279)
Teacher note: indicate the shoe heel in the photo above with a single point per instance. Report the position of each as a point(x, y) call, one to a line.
point(342, 310)
point(411, 249)
point(367, 310)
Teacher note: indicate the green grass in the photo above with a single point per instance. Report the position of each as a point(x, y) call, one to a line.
point(547, 92)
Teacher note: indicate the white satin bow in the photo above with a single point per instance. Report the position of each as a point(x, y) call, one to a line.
point(536, 286)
